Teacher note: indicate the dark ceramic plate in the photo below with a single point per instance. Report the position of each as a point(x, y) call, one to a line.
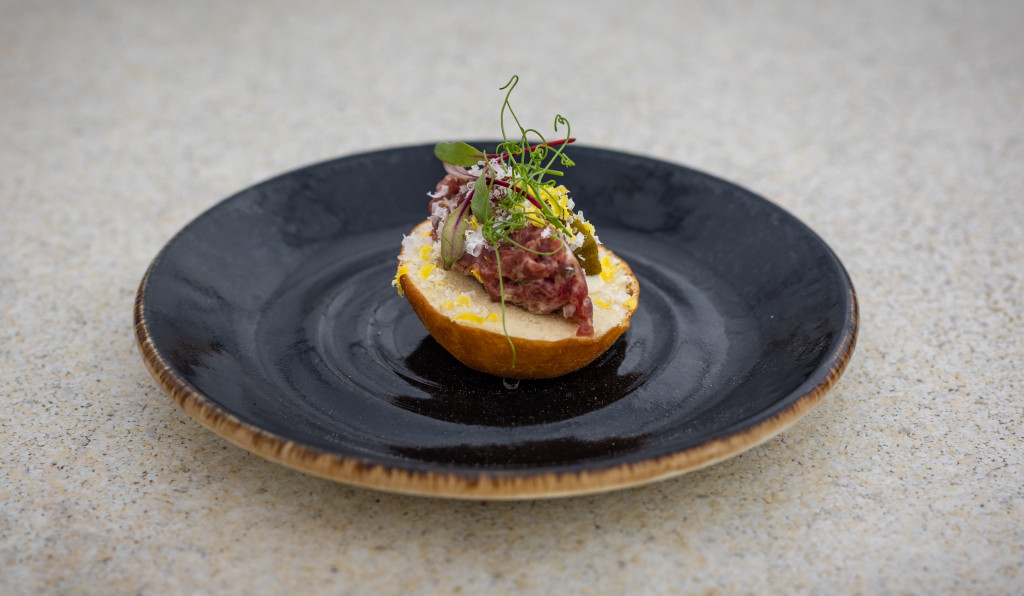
point(271, 319)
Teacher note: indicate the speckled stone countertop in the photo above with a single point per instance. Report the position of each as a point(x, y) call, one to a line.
point(894, 129)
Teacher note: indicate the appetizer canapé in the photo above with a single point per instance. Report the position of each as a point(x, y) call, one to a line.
point(505, 273)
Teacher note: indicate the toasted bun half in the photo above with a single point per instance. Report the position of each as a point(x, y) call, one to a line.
point(460, 315)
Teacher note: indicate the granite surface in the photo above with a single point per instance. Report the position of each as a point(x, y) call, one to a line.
point(894, 129)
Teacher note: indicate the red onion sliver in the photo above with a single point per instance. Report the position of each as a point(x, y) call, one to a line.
point(458, 171)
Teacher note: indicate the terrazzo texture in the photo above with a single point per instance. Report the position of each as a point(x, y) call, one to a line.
point(895, 130)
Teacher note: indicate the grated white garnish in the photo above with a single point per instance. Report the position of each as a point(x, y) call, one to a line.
point(440, 210)
point(475, 242)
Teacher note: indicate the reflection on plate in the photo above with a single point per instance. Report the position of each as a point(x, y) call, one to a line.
point(271, 320)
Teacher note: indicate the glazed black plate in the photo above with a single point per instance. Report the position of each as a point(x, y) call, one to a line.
point(272, 320)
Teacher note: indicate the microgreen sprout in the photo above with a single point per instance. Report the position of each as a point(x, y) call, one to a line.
point(510, 189)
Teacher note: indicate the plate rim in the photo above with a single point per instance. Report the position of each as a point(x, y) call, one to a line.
point(484, 484)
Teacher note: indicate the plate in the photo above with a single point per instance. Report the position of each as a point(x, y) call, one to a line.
point(271, 320)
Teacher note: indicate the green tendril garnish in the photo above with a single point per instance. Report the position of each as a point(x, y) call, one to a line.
point(523, 196)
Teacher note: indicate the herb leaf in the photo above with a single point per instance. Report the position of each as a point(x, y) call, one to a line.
point(453, 234)
point(481, 202)
point(458, 153)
